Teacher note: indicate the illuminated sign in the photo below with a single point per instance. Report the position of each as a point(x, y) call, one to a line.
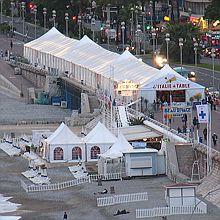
point(127, 85)
point(176, 111)
point(126, 93)
point(172, 86)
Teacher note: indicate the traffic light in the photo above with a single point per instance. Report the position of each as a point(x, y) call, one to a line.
point(147, 27)
point(31, 6)
point(74, 18)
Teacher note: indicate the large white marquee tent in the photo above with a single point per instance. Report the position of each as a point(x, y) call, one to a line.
point(169, 80)
point(88, 62)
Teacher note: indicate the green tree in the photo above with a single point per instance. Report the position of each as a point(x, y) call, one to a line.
point(213, 10)
point(189, 33)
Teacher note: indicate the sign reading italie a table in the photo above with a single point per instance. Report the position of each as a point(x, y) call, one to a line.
point(170, 83)
point(172, 86)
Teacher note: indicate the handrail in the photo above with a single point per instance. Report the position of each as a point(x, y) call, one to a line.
point(134, 113)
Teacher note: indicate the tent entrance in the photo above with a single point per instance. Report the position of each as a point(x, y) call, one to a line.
point(177, 96)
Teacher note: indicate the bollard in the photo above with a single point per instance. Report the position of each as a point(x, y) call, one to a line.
point(99, 181)
point(112, 190)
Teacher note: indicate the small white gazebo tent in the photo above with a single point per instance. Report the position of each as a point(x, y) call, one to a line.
point(111, 160)
point(117, 149)
point(64, 146)
point(98, 141)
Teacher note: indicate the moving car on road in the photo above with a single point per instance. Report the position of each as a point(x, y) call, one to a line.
point(185, 72)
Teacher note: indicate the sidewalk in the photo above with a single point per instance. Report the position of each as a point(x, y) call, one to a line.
point(177, 122)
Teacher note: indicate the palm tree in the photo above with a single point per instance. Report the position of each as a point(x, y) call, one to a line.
point(186, 31)
point(137, 121)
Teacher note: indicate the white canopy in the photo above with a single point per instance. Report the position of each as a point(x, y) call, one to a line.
point(63, 136)
point(117, 149)
point(169, 79)
point(100, 135)
point(52, 42)
point(85, 60)
point(87, 54)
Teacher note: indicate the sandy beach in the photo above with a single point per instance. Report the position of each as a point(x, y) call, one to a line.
point(80, 202)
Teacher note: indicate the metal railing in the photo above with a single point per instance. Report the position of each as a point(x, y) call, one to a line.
point(167, 211)
point(124, 198)
point(135, 113)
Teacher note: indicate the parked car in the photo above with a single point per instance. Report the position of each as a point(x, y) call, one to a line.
point(17, 71)
point(185, 72)
point(126, 47)
point(207, 51)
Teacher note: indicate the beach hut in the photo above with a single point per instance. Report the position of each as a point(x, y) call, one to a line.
point(111, 160)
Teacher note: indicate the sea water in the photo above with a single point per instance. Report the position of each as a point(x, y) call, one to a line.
point(7, 206)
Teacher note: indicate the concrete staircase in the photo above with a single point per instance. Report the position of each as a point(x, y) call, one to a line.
point(210, 186)
point(93, 103)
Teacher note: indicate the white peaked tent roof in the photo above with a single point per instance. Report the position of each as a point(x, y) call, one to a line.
point(63, 136)
point(100, 135)
point(88, 54)
point(117, 149)
point(126, 66)
point(126, 55)
point(167, 73)
point(52, 42)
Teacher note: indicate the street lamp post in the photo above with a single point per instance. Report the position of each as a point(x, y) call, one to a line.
point(151, 13)
point(138, 32)
point(153, 38)
point(181, 52)
point(12, 16)
point(45, 17)
point(54, 17)
point(67, 21)
point(170, 10)
point(108, 35)
point(132, 26)
point(136, 16)
point(79, 24)
point(213, 67)
point(123, 34)
point(1, 1)
point(93, 28)
point(167, 39)
point(35, 22)
point(196, 52)
point(144, 32)
point(23, 18)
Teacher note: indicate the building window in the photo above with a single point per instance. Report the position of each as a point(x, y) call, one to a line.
point(76, 153)
point(58, 153)
point(94, 152)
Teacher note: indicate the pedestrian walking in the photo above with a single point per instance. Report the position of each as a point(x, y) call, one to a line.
point(65, 216)
point(11, 45)
point(179, 130)
point(214, 138)
point(196, 122)
point(205, 134)
point(214, 103)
